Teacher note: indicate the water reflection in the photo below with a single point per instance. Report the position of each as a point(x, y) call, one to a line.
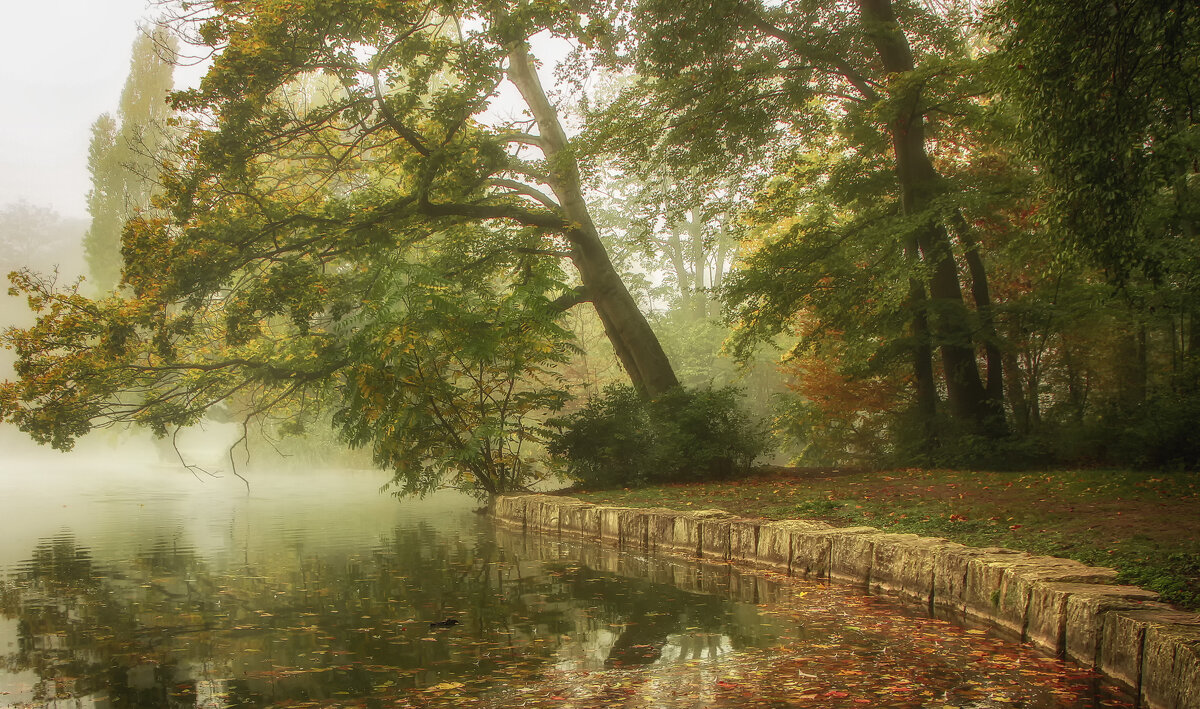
point(168, 628)
point(278, 615)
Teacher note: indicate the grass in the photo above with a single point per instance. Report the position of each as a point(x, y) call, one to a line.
point(1144, 525)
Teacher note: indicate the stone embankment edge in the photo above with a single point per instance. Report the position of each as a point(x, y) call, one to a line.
point(1061, 606)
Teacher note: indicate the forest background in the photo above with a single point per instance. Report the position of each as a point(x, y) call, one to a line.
point(910, 233)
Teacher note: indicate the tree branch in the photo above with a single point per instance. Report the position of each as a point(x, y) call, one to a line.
point(409, 135)
point(522, 138)
point(570, 299)
point(797, 44)
point(524, 189)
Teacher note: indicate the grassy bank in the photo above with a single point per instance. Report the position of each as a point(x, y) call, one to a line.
point(1147, 526)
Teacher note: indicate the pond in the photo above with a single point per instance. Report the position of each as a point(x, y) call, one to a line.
point(153, 588)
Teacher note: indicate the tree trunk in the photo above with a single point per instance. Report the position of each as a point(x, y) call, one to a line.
point(1190, 316)
point(699, 263)
point(683, 279)
point(1142, 373)
point(1193, 340)
point(1076, 391)
point(922, 352)
point(1033, 386)
point(981, 294)
point(632, 338)
point(1016, 395)
point(966, 395)
point(718, 279)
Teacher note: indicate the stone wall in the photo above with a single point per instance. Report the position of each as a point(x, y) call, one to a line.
point(1062, 606)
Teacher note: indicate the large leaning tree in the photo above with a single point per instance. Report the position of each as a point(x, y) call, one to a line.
point(856, 102)
point(342, 226)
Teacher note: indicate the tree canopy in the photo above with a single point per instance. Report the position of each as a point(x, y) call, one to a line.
point(333, 189)
point(884, 190)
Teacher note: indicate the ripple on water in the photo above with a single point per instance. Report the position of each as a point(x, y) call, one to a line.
point(319, 591)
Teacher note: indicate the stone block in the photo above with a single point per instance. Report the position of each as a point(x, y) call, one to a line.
point(610, 524)
point(951, 563)
point(850, 553)
point(776, 545)
point(810, 550)
point(582, 520)
point(1020, 581)
point(533, 507)
point(632, 532)
point(565, 507)
point(589, 522)
point(1171, 663)
point(774, 548)
point(714, 538)
point(1120, 655)
point(541, 512)
point(903, 564)
point(1067, 618)
point(985, 577)
point(660, 530)
point(743, 540)
point(1086, 619)
point(687, 537)
point(510, 509)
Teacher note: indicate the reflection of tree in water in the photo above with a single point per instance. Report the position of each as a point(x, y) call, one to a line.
point(167, 628)
point(78, 627)
point(652, 618)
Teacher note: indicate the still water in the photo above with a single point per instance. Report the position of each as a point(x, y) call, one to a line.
point(154, 588)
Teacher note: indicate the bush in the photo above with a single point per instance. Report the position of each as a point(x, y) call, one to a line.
point(622, 439)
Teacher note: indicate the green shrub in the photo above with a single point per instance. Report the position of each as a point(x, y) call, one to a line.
point(1157, 433)
point(608, 442)
point(622, 439)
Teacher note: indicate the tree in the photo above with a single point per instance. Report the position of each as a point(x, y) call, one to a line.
point(36, 237)
point(1109, 115)
point(1109, 112)
point(350, 240)
point(125, 153)
point(874, 80)
point(1106, 97)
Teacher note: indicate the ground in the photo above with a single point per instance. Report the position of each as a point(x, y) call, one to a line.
point(1145, 525)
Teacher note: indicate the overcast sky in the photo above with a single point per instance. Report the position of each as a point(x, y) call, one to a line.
point(62, 64)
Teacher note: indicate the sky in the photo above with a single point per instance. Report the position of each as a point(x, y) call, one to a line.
point(62, 64)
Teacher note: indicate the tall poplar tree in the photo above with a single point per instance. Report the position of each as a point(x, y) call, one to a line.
point(125, 153)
